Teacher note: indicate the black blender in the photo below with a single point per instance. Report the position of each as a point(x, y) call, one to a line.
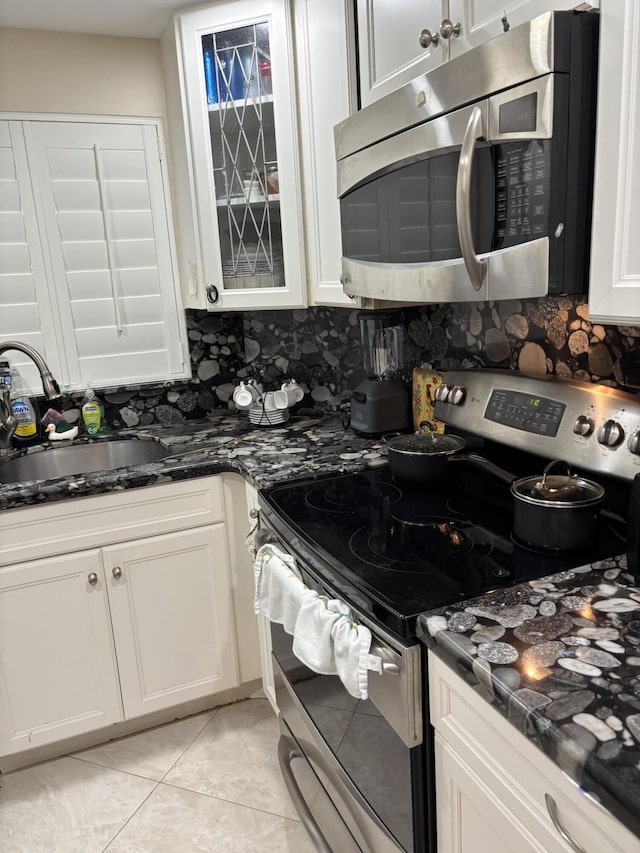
point(380, 403)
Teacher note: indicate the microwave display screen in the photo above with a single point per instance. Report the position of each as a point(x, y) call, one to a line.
point(519, 116)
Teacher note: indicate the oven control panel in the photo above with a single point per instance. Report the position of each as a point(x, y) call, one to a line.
point(588, 425)
point(535, 414)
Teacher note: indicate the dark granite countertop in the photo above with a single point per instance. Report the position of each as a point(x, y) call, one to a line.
point(559, 657)
point(300, 448)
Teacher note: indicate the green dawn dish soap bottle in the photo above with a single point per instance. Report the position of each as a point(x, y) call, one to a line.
point(92, 413)
point(26, 411)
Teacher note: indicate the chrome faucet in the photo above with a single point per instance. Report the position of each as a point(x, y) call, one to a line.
point(8, 421)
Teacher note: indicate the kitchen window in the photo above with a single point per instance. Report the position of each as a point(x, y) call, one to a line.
point(87, 269)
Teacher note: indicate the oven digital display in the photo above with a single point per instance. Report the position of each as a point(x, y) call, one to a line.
point(520, 115)
point(539, 415)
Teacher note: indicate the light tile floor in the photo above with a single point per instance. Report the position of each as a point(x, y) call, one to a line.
point(207, 783)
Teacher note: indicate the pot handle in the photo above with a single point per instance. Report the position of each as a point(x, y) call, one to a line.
point(551, 465)
point(481, 462)
point(633, 530)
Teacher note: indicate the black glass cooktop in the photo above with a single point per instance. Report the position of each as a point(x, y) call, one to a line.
point(393, 550)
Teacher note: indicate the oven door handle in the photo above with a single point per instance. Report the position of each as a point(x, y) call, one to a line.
point(388, 664)
point(286, 754)
point(476, 268)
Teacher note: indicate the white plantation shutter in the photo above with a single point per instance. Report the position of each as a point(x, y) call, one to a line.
point(102, 212)
point(26, 312)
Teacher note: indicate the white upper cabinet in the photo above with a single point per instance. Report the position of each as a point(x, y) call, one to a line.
point(241, 147)
point(87, 266)
point(481, 20)
point(389, 49)
point(614, 287)
point(326, 96)
point(391, 38)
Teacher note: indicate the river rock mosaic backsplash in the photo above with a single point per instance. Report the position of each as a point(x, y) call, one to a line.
point(320, 348)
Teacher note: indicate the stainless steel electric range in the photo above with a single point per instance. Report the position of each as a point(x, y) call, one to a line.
point(361, 773)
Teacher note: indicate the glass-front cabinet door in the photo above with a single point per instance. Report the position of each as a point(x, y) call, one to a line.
point(240, 106)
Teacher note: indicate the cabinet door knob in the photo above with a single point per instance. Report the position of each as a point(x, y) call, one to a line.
point(116, 571)
point(92, 578)
point(427, 38)
point(212, 293)
point(449, 30)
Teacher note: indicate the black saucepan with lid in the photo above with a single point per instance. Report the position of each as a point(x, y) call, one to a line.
point(422, 457)
point(555, 512)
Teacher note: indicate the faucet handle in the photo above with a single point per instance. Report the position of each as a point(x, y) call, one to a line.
point(8, 421)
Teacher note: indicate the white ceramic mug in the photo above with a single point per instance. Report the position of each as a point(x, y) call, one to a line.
point(246, 394)
point(269, 401)
point(281, 399)
point(293, 391)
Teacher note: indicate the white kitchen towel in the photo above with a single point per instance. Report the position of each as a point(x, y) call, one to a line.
point(312, 638)
point(278, 589)
point(351, 645)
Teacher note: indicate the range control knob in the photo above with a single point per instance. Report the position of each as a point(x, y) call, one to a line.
point(442, 393)
point(583, 425)
point(457, 395)
point(634, 443)
point(610, 433)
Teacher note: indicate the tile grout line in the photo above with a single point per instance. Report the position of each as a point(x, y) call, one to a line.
point(191, 742)
point(158, 783)
point(230, 802)
point(131, 816)
point(95, 763)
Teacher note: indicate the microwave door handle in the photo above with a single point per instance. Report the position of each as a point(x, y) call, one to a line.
point(476, 268)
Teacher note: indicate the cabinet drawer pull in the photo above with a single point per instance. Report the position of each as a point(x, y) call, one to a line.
point(116, 571)
point(555, 818)
point(92, 578)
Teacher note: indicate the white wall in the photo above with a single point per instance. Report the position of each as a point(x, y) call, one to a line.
point(42, 71)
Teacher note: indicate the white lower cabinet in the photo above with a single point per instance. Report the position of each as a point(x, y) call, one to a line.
point(469, 815)
point(112, 633)
point(172, 618)
point(494, 787)
point(58, 673)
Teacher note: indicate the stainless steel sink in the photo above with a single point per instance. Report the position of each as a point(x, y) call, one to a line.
point(81, 459)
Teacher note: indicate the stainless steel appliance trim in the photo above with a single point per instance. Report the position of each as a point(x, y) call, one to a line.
point(436, 281)
point(543, 87)
point(419, 143)
point(518, 271)
point(598, 403)
point(512, 58)
point(476, 268)
point(286, 753)
point(362, 821)
point(521, 270)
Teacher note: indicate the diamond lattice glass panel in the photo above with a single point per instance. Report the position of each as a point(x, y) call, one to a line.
point(237, 73)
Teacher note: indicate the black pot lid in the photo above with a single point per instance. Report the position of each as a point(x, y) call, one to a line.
point(427, 444)
point(558, 489)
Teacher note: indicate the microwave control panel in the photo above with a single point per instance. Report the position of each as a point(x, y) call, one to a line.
point(522, 180)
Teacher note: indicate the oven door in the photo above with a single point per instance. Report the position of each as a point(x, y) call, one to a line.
point(355, 769)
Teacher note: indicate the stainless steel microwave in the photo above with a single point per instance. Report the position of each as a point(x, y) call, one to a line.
point(475, 181)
